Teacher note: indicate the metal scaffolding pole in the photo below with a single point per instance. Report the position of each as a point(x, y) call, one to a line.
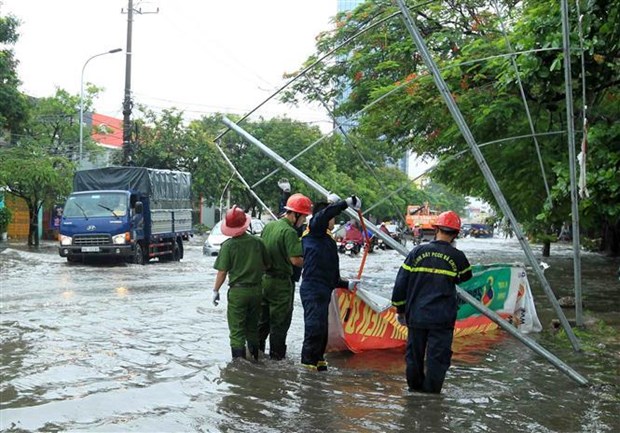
point(564, 368)
point(570, 126)
point(234, 169)
point(484, 168)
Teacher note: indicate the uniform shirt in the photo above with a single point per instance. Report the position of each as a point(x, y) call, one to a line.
point(244, 258)
point(425, 287)
point(321, 261)
point(282, 243)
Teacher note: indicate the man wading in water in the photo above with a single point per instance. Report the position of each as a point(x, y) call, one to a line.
point(425, 298)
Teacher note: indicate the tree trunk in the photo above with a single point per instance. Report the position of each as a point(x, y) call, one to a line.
point(546, 250)
point(33, 230)
point(610, 242)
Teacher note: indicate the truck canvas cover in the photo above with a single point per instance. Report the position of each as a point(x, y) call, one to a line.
point(167, 189)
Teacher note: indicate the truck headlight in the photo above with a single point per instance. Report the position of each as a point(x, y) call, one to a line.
point(121, 238)
point(65, 240)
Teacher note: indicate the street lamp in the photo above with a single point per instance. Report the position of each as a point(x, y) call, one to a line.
point(116, 50)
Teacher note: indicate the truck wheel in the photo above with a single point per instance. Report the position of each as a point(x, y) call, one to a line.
point(176, 253)
point(138, 255)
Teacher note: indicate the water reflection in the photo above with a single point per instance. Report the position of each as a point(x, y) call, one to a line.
point(144, 350)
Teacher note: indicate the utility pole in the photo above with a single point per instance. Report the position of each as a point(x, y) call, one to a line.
point(127, 102)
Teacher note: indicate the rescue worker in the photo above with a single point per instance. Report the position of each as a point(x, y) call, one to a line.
point(320, 276)
point(284, 250)
point(244, 259)
point(425, 298)
point(417, 234)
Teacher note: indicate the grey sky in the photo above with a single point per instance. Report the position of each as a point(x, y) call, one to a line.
point(199, 56)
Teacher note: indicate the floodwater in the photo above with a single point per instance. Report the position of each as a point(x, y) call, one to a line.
point(141, 348)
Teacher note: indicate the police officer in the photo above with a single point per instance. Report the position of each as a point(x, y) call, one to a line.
point(321, 275)
point(284, 250)
point(425, 298)
point(244, 259)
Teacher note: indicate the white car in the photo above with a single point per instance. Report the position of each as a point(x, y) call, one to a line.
point(215, 239)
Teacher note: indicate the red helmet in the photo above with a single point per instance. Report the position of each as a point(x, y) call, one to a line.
point(236, 222)
point(448, 220)
point(299, 203)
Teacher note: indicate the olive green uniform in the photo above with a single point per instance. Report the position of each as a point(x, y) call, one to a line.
point(282, 242)
point(245, 259)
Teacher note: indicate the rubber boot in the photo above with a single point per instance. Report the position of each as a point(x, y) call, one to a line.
point(277, 352)
point(253, 351)
point(238, 352)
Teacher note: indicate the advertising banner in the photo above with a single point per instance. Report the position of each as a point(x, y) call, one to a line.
point(364, 321)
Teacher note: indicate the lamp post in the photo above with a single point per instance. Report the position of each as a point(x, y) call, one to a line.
point(116, 50)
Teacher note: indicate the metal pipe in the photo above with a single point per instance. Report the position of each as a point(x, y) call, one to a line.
point(403, 250)
point(570, 126)
point(317, 187)
point(234, 169)
point(557, 362)
point(484, 168)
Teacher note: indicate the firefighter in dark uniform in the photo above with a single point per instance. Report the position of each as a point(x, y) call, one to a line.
point(243, 258)
point(321, 275)
point(425, 298)
point(284, 249)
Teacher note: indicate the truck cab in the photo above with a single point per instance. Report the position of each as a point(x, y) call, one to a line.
point(102, 223)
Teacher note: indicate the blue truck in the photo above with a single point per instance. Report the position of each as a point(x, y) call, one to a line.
point(129, 213)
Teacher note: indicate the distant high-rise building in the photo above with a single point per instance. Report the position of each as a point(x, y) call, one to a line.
point(344, 6)
point(348, 5)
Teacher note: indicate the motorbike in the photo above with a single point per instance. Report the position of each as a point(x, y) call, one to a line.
point(350, 248)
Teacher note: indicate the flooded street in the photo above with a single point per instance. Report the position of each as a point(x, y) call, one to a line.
point(141, 348)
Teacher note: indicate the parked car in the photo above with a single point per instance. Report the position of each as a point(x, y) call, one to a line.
point(395, 232)
point(215, 239)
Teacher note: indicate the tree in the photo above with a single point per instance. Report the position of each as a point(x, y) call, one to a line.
point(54, 125)
point(28, 172)
point(13, 111)
point(383, 63)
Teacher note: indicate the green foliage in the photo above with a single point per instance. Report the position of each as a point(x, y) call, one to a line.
point(344, 165)
point(383, 63)
point(54, 125)
point(30, 173)
point(13, 110)
point(5, 218)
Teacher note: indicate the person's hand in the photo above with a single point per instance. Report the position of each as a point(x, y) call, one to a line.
point(216, 297)
point(354, 283)
point(401, 319)
point(354, 202)
point(284, 185)
point(332, 198)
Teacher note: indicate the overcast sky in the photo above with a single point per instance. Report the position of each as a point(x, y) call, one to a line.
point(201, 56)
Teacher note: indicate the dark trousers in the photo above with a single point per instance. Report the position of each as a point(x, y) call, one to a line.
point(315, 299)
point(436, 345)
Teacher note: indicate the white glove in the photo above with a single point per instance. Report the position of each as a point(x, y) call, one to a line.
point(216, 297)
point(401, 319)
point(354, 202)
point(284, 185)
point(353, 283)
point(332, 198)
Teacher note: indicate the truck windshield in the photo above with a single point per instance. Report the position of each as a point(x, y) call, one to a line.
point(95, 205)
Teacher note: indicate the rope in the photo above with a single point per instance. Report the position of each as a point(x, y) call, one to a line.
point(367, 247)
